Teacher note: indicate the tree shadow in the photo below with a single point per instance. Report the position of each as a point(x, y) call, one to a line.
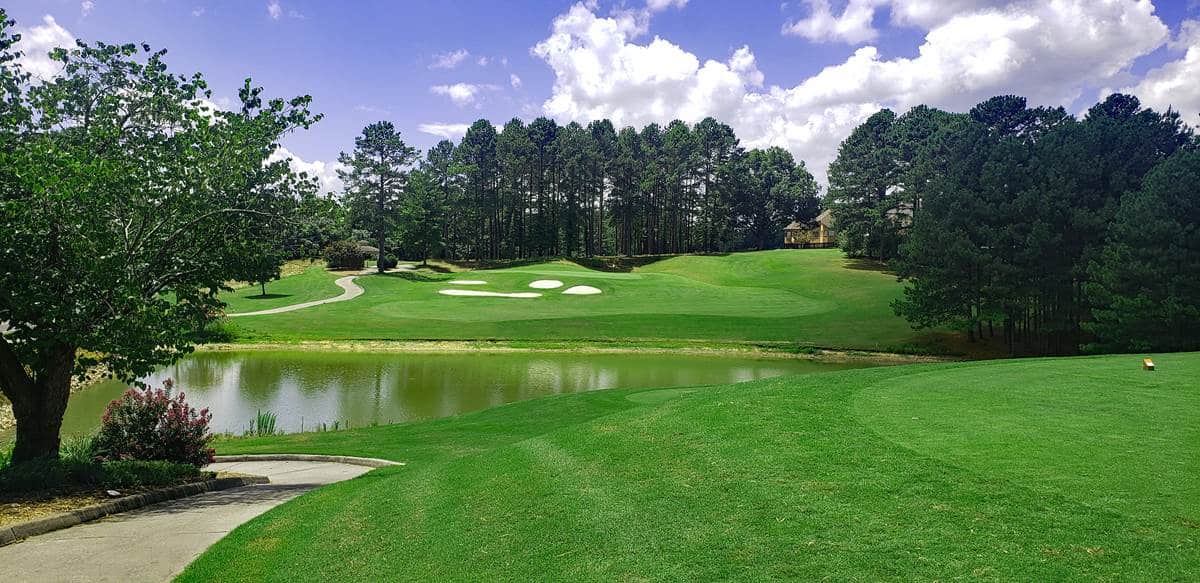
point(267, 296)
point(864, 264)
point(417, 276)
point(626, 264)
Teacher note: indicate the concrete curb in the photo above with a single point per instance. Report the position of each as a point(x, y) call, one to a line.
point(369, 462)
point(15, 532)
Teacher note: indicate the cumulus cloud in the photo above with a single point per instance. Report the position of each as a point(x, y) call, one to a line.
point(325, 172)
point(36, 44)
point(462, 94)
point(449, 131)
point(856, 23)
point(1048, 51)
point(514, 80)
point(274, 10)
point(198, 11)
point(85, 7)
point(449, 60)
point(1174, 85)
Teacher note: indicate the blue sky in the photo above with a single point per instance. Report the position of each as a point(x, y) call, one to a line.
point(799, 74)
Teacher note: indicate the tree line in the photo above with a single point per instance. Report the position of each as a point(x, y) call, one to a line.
point(543, 189)
point(1054, 234)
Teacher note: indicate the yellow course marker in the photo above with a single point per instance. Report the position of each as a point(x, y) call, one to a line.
point(1147, 364)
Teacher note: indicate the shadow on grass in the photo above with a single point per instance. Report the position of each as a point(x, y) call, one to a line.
point(864, 264)
point(625, 264)
point(418, 276)
point(267, 296)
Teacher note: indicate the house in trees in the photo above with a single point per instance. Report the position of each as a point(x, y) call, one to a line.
point(816, 234)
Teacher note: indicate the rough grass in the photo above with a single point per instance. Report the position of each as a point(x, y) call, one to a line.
point(1032, 470)
point(808, 297)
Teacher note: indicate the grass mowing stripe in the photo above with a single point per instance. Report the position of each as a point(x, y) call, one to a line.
point(780, 478)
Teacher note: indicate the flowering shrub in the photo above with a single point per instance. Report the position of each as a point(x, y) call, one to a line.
point(152, 425)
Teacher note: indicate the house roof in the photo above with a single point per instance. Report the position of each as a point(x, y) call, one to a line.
point(825, 218)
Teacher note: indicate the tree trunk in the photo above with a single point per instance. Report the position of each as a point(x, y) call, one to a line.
point(38, 405)
point(379, 260)
point(263, 287)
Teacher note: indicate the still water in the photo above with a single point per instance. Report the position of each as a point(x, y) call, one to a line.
point(305, 389)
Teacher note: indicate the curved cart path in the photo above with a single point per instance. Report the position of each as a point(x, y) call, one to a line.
point(155, 543)
point(351, 290)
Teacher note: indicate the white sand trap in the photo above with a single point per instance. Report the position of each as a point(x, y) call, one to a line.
point(467, 282)
point(487, 294)
point(581, 290)
point(545, 284)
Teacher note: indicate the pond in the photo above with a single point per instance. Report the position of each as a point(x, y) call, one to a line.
point(305, 389)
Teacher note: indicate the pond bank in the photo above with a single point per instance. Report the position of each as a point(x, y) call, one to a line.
point(91, 377)
point(732, 349)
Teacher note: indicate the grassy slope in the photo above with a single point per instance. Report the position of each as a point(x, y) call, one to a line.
point(314, 283)
point(1022, 470)
point(810, 297)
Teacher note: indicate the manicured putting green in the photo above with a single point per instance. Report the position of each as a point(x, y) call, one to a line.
point(1030, 470)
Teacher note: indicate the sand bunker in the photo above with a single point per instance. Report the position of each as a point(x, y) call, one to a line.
point(581, 290)
point(467, 282)
point(546, 284)
point(487, 294)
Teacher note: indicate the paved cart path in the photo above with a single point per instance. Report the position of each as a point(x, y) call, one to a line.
point(350, 291)
point(155, 543)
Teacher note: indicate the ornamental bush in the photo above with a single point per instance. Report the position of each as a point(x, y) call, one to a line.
point(152, 425)
point(343, 255)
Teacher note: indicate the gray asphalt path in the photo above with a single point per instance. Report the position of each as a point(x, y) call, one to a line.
point(155, 543)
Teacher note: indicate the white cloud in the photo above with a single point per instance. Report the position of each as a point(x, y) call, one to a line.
point(86, 7)
point(274, 9)
point(325, 172)
point(1047, 51)
point(36, 44)
point(449, 131)
point(660, 5)
point(372, 109)
point(449, 60)
point(482, 61)
point(514, 80)
point(198, 11)
point(462, 93)
point(856, 23)
point(1176, 84)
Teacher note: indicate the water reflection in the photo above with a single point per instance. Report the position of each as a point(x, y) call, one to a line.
point(308, 388)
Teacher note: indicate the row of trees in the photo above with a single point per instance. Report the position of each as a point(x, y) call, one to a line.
point(1058, 234)
point(543, 189)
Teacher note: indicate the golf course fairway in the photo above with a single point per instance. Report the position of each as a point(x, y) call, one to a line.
point(1037, 470)
point(813, 297)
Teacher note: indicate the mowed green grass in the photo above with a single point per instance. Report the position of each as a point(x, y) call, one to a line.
point(314, 283)
point(1025, 470)
point(814, 297)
